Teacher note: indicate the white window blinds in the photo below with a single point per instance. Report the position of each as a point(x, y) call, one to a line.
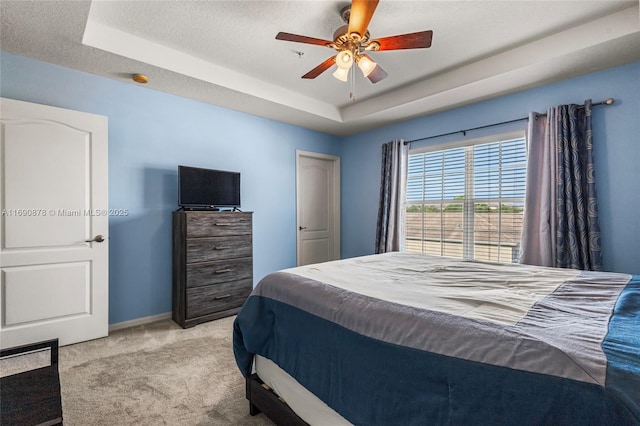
point(467, 202)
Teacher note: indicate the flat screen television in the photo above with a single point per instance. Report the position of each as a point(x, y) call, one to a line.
point(207, 189)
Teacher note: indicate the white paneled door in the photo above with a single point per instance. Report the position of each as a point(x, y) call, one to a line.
point(53, 225)
point(318, 207)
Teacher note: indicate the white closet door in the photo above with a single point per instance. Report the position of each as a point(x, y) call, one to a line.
point(318, 207)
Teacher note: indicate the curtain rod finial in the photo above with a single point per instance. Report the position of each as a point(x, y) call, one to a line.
point(609, 101)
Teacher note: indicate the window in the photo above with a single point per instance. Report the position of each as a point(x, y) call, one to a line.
point(467, 201)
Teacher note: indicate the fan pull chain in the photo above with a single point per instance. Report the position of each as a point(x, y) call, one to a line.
point(352, 93)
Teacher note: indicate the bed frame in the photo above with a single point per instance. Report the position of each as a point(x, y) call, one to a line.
point(263, 399)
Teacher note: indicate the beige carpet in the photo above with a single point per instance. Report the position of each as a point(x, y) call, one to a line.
point(156, 374)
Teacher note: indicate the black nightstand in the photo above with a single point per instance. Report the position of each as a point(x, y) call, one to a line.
point(31, 397)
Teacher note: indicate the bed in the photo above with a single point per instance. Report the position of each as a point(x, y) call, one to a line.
point(404, 339)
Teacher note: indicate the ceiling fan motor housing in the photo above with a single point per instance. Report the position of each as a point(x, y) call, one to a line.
point(343, 40)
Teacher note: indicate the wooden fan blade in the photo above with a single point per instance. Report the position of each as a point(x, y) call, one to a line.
point(417, 40)
point(360, 15)
point(320, 68)
point(302, 39)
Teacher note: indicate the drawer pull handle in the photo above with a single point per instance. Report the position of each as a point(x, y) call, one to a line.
point(221, 248)
point(226, 296)
point(222, 271)
point(223, 224)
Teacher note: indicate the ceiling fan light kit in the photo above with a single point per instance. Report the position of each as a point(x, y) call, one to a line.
point(342, 74)
point(351, 41)
point(344, 59)
point(366, 65)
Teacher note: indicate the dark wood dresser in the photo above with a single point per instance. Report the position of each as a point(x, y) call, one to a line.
point(212, 264)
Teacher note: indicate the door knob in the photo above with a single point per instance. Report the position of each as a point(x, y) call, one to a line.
point(98, 239)
point(302, 228)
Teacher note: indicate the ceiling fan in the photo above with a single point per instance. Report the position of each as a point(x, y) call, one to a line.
point(352, 41)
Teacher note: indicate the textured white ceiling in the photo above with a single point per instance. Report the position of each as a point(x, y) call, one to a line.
point(225, 52)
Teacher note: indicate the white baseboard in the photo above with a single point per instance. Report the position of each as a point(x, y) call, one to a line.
point(139, 321)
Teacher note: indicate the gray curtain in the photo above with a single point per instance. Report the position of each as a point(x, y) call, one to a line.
point(560, 227)
point(537, 246)
point(393, 188)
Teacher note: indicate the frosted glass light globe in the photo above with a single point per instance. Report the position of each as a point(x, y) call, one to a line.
point(344, 59)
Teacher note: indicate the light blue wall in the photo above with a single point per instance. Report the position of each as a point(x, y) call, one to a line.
point(150, 133)
point(617, 157)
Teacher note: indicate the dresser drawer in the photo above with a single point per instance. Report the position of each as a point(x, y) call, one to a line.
point(220, 271)
point(218, 297)
point(218, 248)
point(205, 224)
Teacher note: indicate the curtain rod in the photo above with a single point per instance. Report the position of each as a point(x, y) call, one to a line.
point(464, 132)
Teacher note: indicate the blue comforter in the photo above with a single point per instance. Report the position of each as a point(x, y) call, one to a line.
point(378, 362)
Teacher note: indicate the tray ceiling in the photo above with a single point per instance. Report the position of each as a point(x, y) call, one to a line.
point(225, 52)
